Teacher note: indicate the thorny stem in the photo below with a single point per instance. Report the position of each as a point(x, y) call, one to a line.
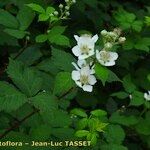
point(16, 125)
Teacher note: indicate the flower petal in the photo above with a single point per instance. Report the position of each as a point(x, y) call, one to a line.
point(75, 75)
point(75, 65)
point(88, 88)
point(78, 83)
point(76, 37)
point(76, 50)
point(81, 63)
point(113, 55)
point(95, 38)
point(85, 71)
point(92, 80)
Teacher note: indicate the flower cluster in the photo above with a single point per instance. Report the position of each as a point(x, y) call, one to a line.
point(87, 55)
point(66, 8)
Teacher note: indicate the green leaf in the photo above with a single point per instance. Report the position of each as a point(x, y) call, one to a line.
point(63, 133)
point(137, 98)
point(114, 134)
point(120, 95)
point(137, 25)
point(41, 38)
point(82, 123)
point(98, 113)
point(8, 20)
point(25, 78)
point(44, 102)
point(61, 40)
point(62, 64)
point(49, 10)
point(102, 73)
point(81, 133)
point(57, 118)
point(30, 55)
point(16, 33)
point(123, 120)
point(25, 17)
point(128, 84)
point(36, 7)
point(41, 133)
point(10, 98)
point(124, 18)
point(143, 44)
point(92, 137)
point(57, 30)
point(78, 112)
point(43, 17)
point(63, 83)
point(112, 77)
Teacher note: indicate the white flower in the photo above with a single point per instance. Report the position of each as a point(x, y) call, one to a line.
point(147, 96)
point(85, 46)
point(106, 58)
point(122, 39)
point(83, 76)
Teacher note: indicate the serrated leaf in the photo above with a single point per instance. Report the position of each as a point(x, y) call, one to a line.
point(43, 17)
point(120, 95)
point(44, 102)
point(10, 98)
point(63, 83)
point(25, 17)
point(123, 120)
point(102, 73)
point(57, 118)
point(82, 123)
point(114, 134)
point(81, 133)
point(30, 55)
point(25, 78)
point(137, 25)
point(78, 112)
point(137, 98)
point(36, 7)
point(57, 30)
point(61, 40)
point(128, 84)
point(41, 38)
point(98, 113)
point(16, 33)
point(62, 64)
point(8, 20)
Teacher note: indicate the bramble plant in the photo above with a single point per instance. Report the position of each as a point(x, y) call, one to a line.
point(75, 70)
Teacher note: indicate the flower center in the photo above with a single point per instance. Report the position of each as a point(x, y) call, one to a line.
point(105, 56)
point(85, 49)
point(84, 79)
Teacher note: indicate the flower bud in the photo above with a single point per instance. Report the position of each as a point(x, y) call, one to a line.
point(66, 1)
point(67, 7)
point(61, 6)
point(104, 32)
point(112, 34)
point(74, 1)
point(56, 13)
point(108, 45)
point(67, 13)
point(122, 39)
point(117, 31)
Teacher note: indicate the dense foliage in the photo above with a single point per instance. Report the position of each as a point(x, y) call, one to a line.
point(41, 100)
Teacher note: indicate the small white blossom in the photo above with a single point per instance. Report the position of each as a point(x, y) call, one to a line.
point(108, 45)
point(85, 46)
point(147, 96)
point(106, 58)
point(83, 76)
